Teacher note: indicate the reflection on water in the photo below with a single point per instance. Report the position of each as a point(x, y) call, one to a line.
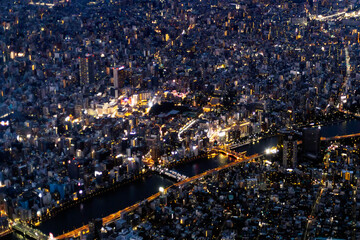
point(259, 147)
point(127, 195)
point(15, 236)
point(201, 165)
point(343, 128)
point(105, 204)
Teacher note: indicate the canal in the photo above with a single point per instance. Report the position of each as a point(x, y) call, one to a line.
point(124, 196)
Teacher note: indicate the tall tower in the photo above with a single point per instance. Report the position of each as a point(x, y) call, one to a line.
point(119, 76)
point(86, 69)
point(289, 157)
point(288, 148)
point(311, 142)
point(315, 7)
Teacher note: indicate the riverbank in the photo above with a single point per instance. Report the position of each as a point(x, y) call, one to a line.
point(36, 222)
point(187, 160)
point(71, 203)
point(201, 163)
point(89, 202)
point(104, 204)
point(115, 216)
point(329, 121)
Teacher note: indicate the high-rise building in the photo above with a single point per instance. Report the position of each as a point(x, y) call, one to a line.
point(95, 228)
point(290, 152)
point(288, 148)
point(311, 142)
point(119, 77)
point(315, 6)
point(156, 152)
point(86, 69)
point(74, 169)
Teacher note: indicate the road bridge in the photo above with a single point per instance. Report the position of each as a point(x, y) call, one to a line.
point(170, 173)
point(237, 145)
point(340, 137)
point(240, 157)
point(29, 231)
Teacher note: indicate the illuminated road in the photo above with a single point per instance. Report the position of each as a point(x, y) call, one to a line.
point(4, 233)
point(239, 158)
point(343, 91)
point(312, 220)
point(350, 113)
point(50, 5)
point(348, 70)
point(115, 216)
point(340, 137)
point(334, 138)
point(186, 127)
point(337, 16)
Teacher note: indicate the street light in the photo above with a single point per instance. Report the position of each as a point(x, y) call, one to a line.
point(161, 189)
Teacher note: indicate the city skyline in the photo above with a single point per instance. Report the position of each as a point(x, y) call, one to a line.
point(179, 119)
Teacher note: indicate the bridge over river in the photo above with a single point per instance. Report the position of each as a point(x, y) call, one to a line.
point(29, 231)
point(239, 157)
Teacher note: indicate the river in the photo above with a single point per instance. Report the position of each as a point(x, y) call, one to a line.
point(342, 128)
point(112, 201)
point(107, 203)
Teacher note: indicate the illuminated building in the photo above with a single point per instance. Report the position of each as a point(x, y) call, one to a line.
point(86, 69)
point(119, 76)
point(288, 147)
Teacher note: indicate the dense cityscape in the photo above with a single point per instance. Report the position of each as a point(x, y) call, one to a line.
point(101, 96)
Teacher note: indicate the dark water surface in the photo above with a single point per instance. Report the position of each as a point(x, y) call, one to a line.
point(105, 204)
point(125, 196)
point(342, 128)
